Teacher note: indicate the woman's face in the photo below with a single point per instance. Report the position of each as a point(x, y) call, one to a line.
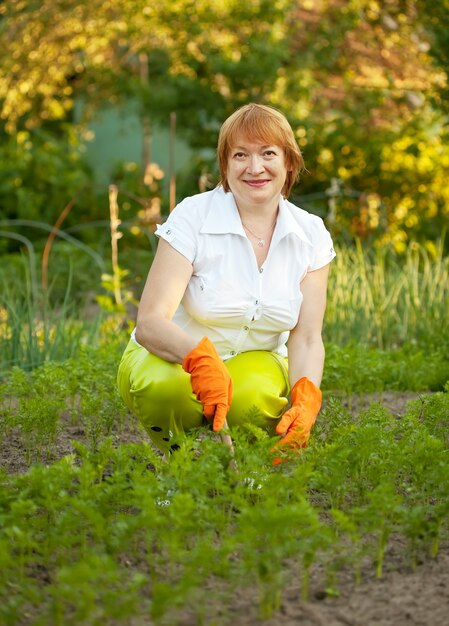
point(256, 173)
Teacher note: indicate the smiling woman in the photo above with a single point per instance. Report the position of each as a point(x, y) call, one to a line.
point(230, 320)
point(264, 126)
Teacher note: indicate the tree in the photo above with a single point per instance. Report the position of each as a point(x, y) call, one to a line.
point(355, 77)
point(434, 17)
point(364, 90)
point(201, 58)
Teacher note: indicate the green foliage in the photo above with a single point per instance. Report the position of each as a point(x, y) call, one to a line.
point(112, 533)
point(196, 54)
point(34, 330)
point(357, 80)
point(40, 172)
point(84, 385)
point(110, 516)
point(435, 19)
point(356, 368)
point(366, 115)
point(388, 300)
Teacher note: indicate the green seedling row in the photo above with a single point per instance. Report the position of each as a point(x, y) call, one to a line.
point(97, 529)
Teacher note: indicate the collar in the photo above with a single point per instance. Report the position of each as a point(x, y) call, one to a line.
point(288, 222)
point(223, 218)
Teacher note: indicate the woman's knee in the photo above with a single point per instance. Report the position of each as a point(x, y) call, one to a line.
point(157, 392)
point(144, 374)
point(260, 387)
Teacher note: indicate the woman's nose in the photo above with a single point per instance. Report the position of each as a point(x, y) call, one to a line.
point(255, 165)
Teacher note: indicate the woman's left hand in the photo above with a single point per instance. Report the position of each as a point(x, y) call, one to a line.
point(296, 423)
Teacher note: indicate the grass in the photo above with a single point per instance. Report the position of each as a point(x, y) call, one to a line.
point(37, 326)
point(32, 334)
point(380, 299)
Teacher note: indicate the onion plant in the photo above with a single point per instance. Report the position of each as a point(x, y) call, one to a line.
point(382, 299)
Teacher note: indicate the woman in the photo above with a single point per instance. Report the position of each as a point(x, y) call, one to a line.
point(238, 271)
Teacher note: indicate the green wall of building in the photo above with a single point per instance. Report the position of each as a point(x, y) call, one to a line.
point(117, 136)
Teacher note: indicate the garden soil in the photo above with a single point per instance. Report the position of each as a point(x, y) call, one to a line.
point(404, 596)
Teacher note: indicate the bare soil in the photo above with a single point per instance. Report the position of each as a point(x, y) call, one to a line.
point(404, 596)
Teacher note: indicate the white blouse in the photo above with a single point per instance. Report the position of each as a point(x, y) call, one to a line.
point(238, 305)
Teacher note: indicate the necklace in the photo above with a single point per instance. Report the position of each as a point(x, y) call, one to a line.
point(260, 240)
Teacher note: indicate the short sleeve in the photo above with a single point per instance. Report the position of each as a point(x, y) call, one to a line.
point(180, 230)
point(323, 247)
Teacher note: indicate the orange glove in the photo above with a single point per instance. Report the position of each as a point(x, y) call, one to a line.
point(211, 381)
point(297, 422)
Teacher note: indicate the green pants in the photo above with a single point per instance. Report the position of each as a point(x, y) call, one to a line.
point(160, 395)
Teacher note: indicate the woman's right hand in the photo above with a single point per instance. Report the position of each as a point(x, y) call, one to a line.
point(211, 381)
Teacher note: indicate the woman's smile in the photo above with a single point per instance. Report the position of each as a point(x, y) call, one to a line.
point(257, 183)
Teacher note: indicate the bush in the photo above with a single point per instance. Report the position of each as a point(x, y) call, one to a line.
point(40, 172)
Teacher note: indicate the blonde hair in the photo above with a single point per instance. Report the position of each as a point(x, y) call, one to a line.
point(265, 124)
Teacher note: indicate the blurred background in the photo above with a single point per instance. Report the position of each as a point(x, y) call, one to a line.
point(109, 115)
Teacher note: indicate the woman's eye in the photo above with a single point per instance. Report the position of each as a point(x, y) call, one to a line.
point(239, 155)
point(270, 153)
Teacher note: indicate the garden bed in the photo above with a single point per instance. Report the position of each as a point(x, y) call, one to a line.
point(410, 588)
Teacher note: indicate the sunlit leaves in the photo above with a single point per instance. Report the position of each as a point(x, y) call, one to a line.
point(355, 79)
point(55, 45)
